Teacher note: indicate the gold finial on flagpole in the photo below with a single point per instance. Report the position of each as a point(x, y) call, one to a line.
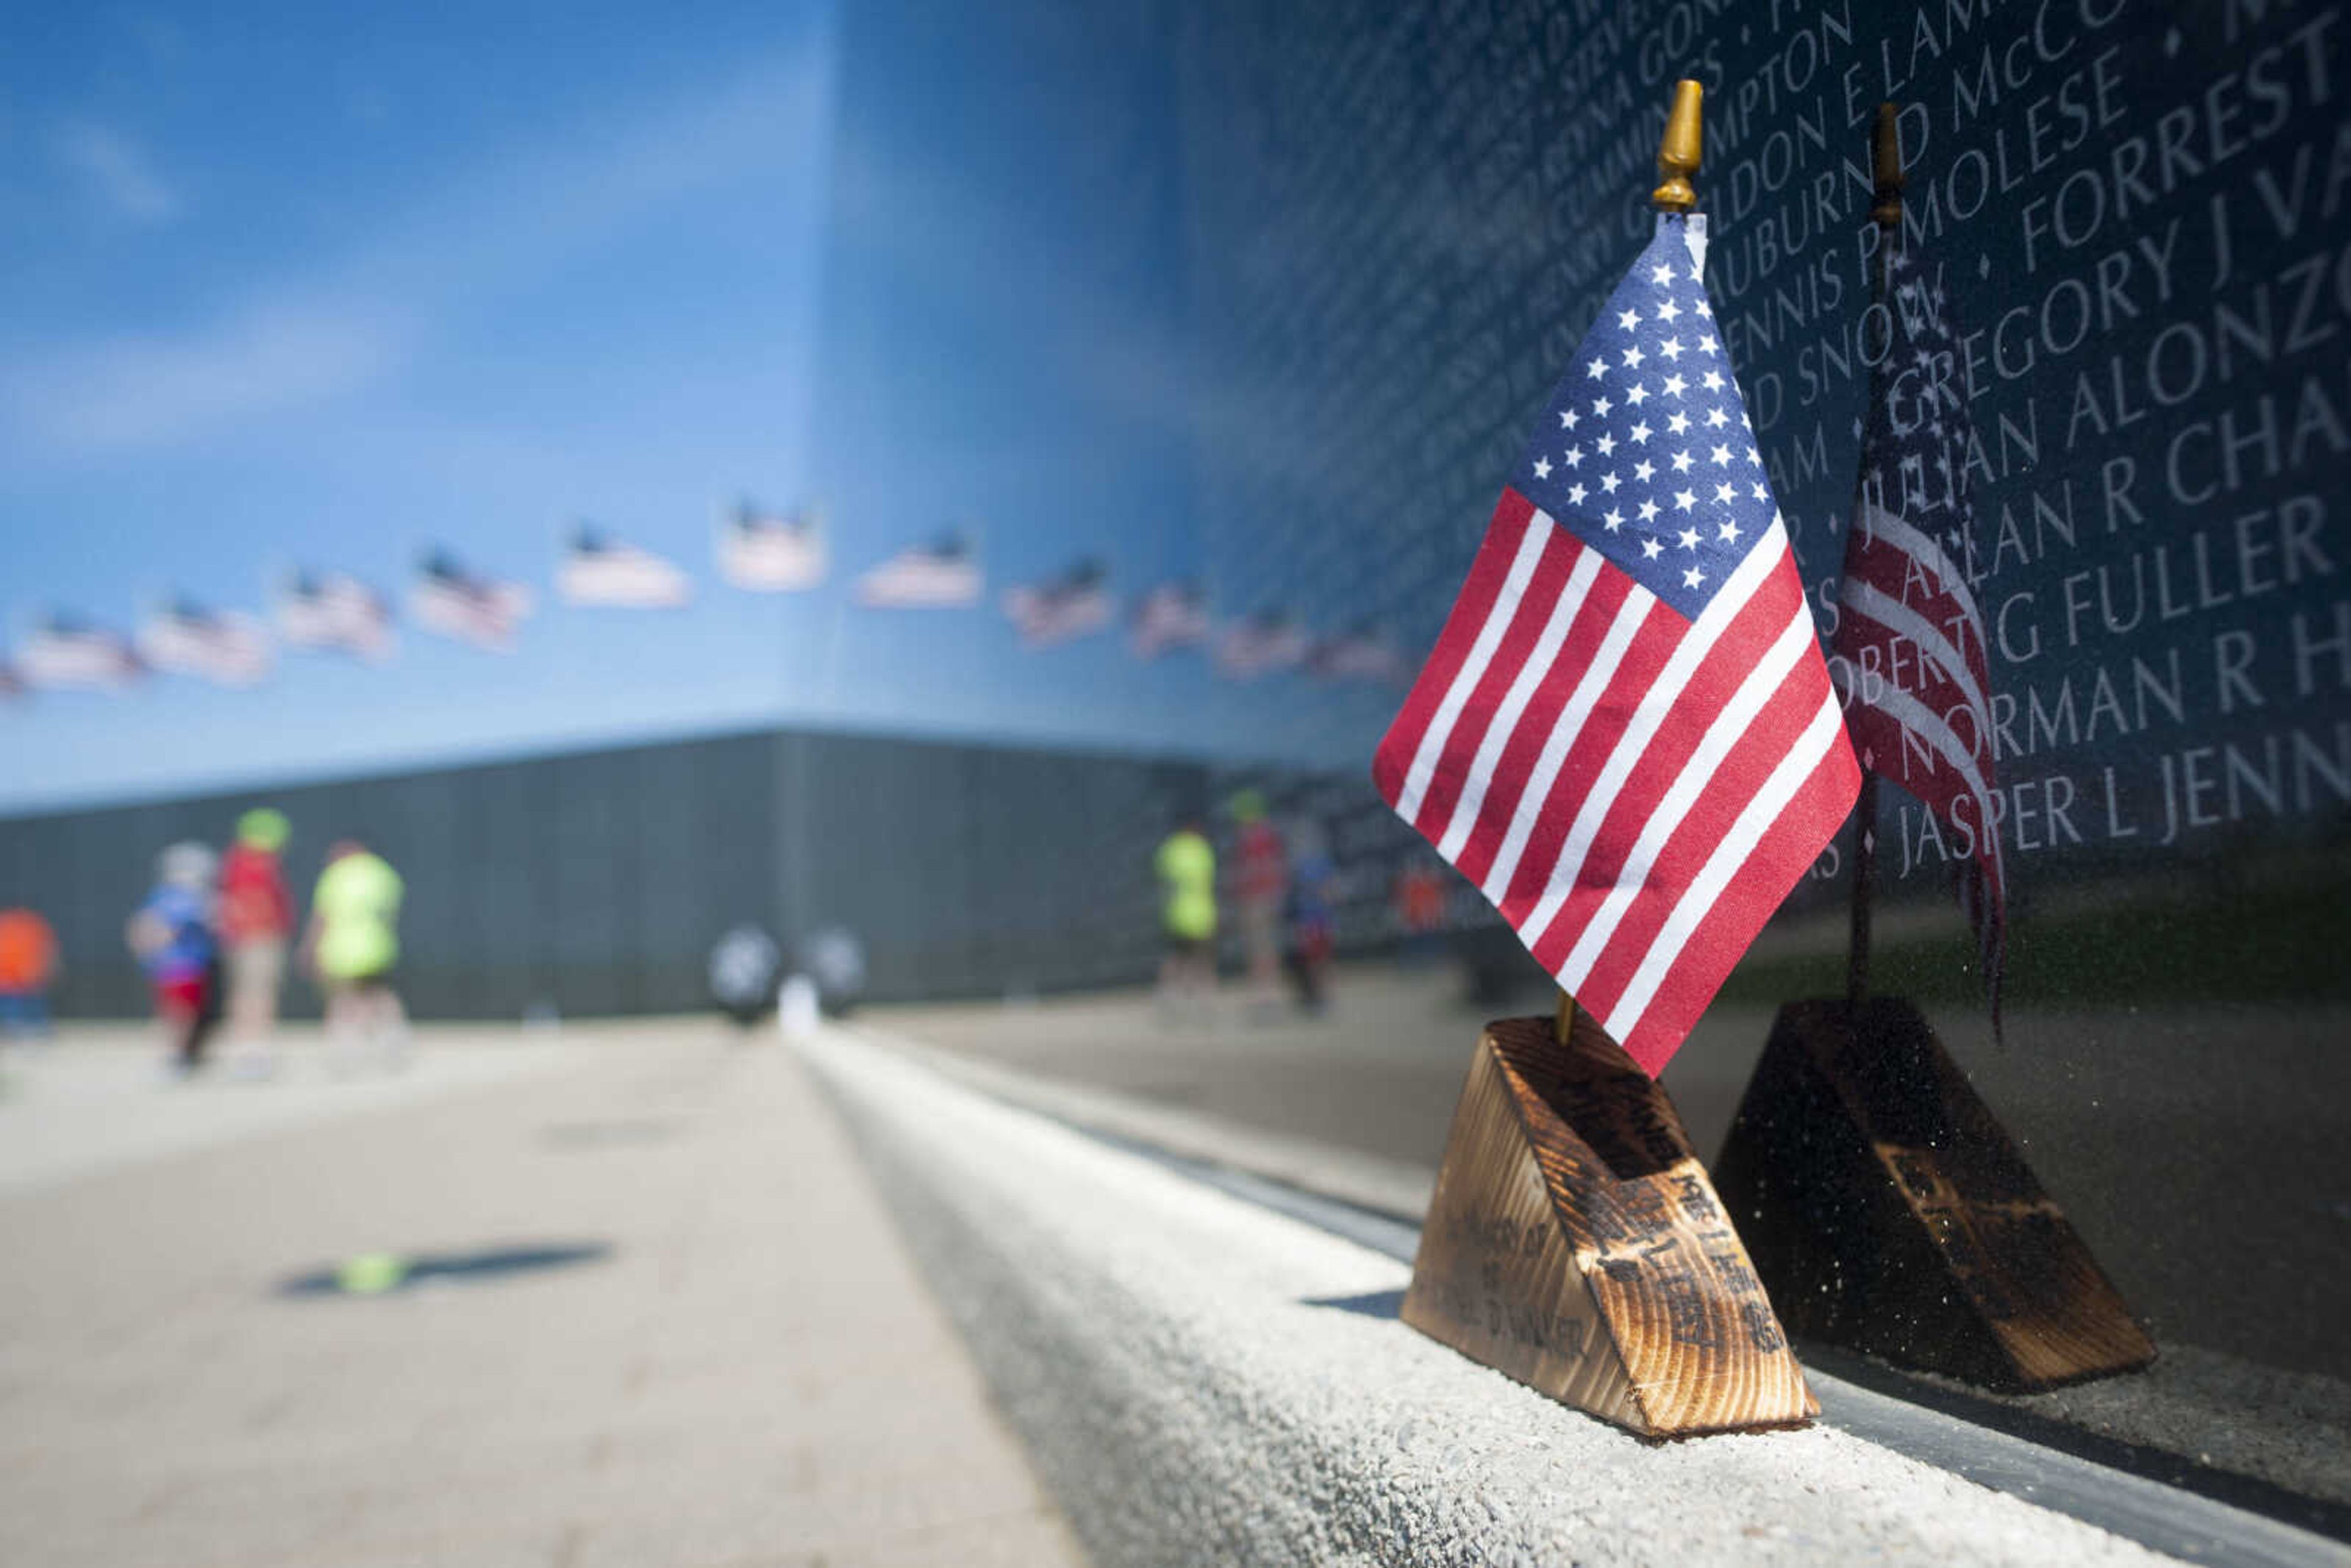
point(1887, 144)
point(1680, 152)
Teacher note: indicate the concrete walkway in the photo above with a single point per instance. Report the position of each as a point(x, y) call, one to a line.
point(745, 1370)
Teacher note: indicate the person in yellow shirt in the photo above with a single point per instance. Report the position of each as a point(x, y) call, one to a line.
point(1186, 865)
point(353, 947)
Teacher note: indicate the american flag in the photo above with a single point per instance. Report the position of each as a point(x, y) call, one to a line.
point(771, 554)
point(1171, 615)
point(941, 575)
point(1261, 644)
point(1908, 655)
point(226, 647)
point(66, 653)
point(481, 611)
point(598, 569)
point(1076, 603)
point(332, 612)
point(1626, 735)
point(1362, 653)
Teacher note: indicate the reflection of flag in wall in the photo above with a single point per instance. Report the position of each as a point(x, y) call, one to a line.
point(1908, 655)
point(481, 611)
point(1261, 644)
point(331, 612)
point(1361, 655)
point(942, 574)
point(66, 653)
point(598, 569)
point(1626, 735)
point(1076, 603)
point(771, 554)
point(226, 647)
point(1171, 615)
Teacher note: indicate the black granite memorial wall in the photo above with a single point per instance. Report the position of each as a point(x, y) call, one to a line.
point(1404, 216)
point(597, 883)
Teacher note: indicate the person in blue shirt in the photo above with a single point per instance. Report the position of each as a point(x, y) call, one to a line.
point(171, 933)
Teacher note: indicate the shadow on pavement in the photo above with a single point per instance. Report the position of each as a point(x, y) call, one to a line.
point(1384, 1304)
point(379, 1273)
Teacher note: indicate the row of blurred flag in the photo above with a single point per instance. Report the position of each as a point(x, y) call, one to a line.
point(760, 552)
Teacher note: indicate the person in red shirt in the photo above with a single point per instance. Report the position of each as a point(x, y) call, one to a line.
point(257, 916)
point(1261, 883)
point(29, 965)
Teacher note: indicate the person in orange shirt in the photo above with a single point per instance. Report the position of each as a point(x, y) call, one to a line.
point(28, 966)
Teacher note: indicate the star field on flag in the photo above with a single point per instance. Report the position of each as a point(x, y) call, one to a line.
point(1626, 735)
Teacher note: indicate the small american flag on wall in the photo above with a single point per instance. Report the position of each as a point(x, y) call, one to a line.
point(455, 602)
point(334, 612)
point(1626, 735)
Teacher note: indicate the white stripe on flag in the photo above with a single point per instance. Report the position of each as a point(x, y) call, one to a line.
point(1473, 669)
point(1869, 602)
point(1656, 703)
point(1738, 716)
point(1880, 524)
point(1922, 721)
point(1514, 704)
point(1586, 696)
point(1698, 899)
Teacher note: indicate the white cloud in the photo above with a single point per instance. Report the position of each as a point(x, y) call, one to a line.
point(133, 393)
point(346, 327)
point(118, 170)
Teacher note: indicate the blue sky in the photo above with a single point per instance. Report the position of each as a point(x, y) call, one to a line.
point(323, 286)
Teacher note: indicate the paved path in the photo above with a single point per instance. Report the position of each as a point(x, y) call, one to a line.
point(751, 1375)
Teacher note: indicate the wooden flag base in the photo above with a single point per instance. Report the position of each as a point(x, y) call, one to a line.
point(1888, 1211)
point(1576, 1245)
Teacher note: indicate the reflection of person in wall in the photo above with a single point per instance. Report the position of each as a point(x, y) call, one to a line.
point(352, 948)
point(1313, 920)
point(28, 968)
point(1419, 904)
point(1186, 865)
point(171, 933)
point(1261, 881)
point(257, 917)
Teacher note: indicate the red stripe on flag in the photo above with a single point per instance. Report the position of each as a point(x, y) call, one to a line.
point(1512, 516)
point(1543, 712)
point(1779, 861)
point(1755, 626)
point(1560, 552)
point(1774, 732)
point(1661, 631)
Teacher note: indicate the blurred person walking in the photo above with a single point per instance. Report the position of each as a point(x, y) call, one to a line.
point(1312, 919)
point(256, 918)
point(1186, 866)
point(171, 933)
point(1419, 907)
point(1260, 884)
point(352, 947)
point(28, 968)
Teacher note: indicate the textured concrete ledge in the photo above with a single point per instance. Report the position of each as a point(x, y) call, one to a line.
point(1203, 1381)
